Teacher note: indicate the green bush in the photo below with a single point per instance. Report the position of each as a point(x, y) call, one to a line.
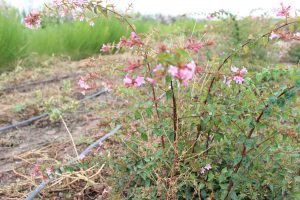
point(294, 53)
point(12, 38)
point(77, 39)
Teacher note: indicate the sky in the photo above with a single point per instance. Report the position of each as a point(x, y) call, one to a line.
point(179, 7)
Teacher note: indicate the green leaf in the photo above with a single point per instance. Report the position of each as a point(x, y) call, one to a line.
point(157, 131)
point(237, 159)
point(168, 80)
point(297, 85)
point(144, 136)
point(210, 176)
point(149, 111)
point(234, 196)
point(166, 58)
point(169, 94)
point(182, 56)
point(201, 186)
point(137, 115)
point(211, 109)
point(224, 119)
point(281, 102)
point(297, 179)
point(267, 112)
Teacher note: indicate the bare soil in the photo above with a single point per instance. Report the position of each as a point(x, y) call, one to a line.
point(45, 140)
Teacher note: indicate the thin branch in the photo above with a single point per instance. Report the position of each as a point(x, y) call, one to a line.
point(72, 139)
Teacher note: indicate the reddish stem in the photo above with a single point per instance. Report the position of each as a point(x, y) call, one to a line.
point(174, 113)
point(155, 101)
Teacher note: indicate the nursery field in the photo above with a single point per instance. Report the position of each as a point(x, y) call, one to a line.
point(103, 105)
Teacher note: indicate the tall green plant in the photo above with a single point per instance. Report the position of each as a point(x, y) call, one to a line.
point(12, 38)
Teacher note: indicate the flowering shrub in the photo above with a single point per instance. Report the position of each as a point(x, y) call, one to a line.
point(206, 140)
point(33, 20)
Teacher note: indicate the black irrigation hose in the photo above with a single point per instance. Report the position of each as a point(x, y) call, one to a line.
point(39, 188)
point(30, 120)
point(23, 123)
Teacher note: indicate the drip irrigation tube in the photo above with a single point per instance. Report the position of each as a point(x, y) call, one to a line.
point(39, 188)
point(30, 120)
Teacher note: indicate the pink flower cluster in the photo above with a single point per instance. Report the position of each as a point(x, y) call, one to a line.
point(134, 40)
point(36, 170)
point(297, 35)
point(284, 35)
point(84, 85)
point(76, 8)
point(184, 73)
point(49, 171)
point(274, 36)
point(106, 48)
point(283, 11)
point(133, 82)
point(33, 20)
point(132, 66)
point(238, 76)
point(206, 168)
point(194, 45)
point(136, 82)
point(78, 3)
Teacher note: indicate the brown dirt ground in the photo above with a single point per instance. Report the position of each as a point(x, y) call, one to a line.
point(45, 141)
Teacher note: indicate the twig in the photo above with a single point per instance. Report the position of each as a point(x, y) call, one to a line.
point(72, 139)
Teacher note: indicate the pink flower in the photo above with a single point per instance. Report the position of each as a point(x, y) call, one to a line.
point(184, 73)
point(238, 76)
point(238, 79)
point(283, 11)
point(208, 167)
point(203, 170)
point(123, 42)
point(132, 66)
point(140, 80)
point(79, 2)
point(192, 66)
point(134, 40)
point(274, 36)
point(157, 68)
point(49, 171)
point(128, 81)
point(105, 48)
point(297, 34)
point(131, 82)
point(33, 20)
point(194, 45)
point(210, 16)
point(56, 2)
point(36, 170)
point(234, 69)
point(243, 71)
point(150, 80)
point(82, 84)
point(173, 71)
point(107, 86)
point(162, 47)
